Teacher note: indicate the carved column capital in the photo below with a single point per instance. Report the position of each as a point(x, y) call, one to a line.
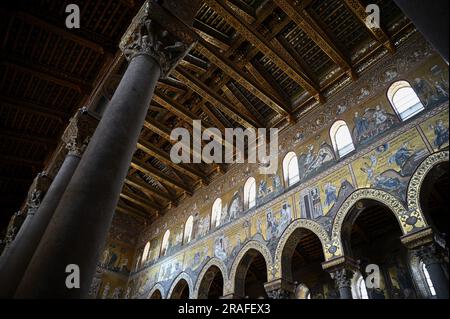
point(279, 289)
point(78, 132)
point(428, 254)
point(37, 191)
point(342, 277)
point(159, 31)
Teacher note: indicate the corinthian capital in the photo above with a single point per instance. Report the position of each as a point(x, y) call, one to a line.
point(342, 277)
point(162, 32)
point(38, 189)
point(78, 132)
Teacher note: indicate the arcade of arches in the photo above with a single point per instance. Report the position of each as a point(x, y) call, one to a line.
point(355, 209)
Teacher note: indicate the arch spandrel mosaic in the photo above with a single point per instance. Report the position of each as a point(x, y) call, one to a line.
point(387, 154)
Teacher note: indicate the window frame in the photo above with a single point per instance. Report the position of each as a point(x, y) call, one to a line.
point(250, 185)
point(215, 220)
point(393, 90)
point(288, 179)
point(190, 220)
point(341, 152)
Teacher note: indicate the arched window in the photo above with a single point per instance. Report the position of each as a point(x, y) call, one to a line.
point(290, 169)
point(216, 213)
point(428, 279)
point(404, 100)
point(341, 138)
point(188, 227)
point(145, 253)
point(165, 243)
point(250, 193)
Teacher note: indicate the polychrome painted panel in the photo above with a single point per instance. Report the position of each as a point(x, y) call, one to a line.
point(436, 130)
point(390, 165)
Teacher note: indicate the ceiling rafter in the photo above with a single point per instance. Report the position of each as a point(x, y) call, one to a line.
point(66, 34)
point(305, 22)
point(26, 137)
point(215, 99)
point(158, 175)
point(251, 34)
point(146, 188)
point(242, 78)
point(33, 107)
point(47, 77)
point(163, 157)
point(125, 209)
point(140, 201)
point(359, 11)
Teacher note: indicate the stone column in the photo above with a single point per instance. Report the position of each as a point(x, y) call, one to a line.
point(79, 226)
point(342, 270)
point(342, 278)
point(421, 244)
point(20, 220)
point(17, 258)
point(433, 263)
point(280, 289)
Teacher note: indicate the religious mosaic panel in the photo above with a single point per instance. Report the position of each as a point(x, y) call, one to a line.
point(315, 156)
point(436, 130)
point(320, 201)
point(196, 257)
point(432, 84)
point(390, 165)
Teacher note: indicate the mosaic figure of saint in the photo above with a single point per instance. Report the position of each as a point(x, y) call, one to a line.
point(440, 134)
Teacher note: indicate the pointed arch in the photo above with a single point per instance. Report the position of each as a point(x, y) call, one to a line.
point(251, 245)
point(155, 288)
point(416, 181)
point(409, 221)
point(213, 262)
point(287, 238)
point(183, 276)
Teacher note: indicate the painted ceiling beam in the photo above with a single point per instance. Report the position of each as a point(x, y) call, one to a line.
point(163, 157)
point(140, 201)
point(249, 32)
point(230, 69)
point(215, 99)
point(125, 209)
point(158, 175)
point(305, 22)
point(359, 11)
point(146, 188)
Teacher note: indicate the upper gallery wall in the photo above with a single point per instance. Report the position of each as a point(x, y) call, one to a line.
point(387, 152)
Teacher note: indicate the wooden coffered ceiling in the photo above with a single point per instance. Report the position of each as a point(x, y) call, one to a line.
point(259, 63)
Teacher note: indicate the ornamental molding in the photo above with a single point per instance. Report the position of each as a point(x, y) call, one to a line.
point(416, 181)
point(223, 269)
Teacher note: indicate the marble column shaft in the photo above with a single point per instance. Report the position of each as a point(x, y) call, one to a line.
point(79, 227)
point(17, 258)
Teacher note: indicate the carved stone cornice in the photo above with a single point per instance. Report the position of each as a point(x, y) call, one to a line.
point(343, 262)
point(161, 32)
point(78, 132)
point(417, 239)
